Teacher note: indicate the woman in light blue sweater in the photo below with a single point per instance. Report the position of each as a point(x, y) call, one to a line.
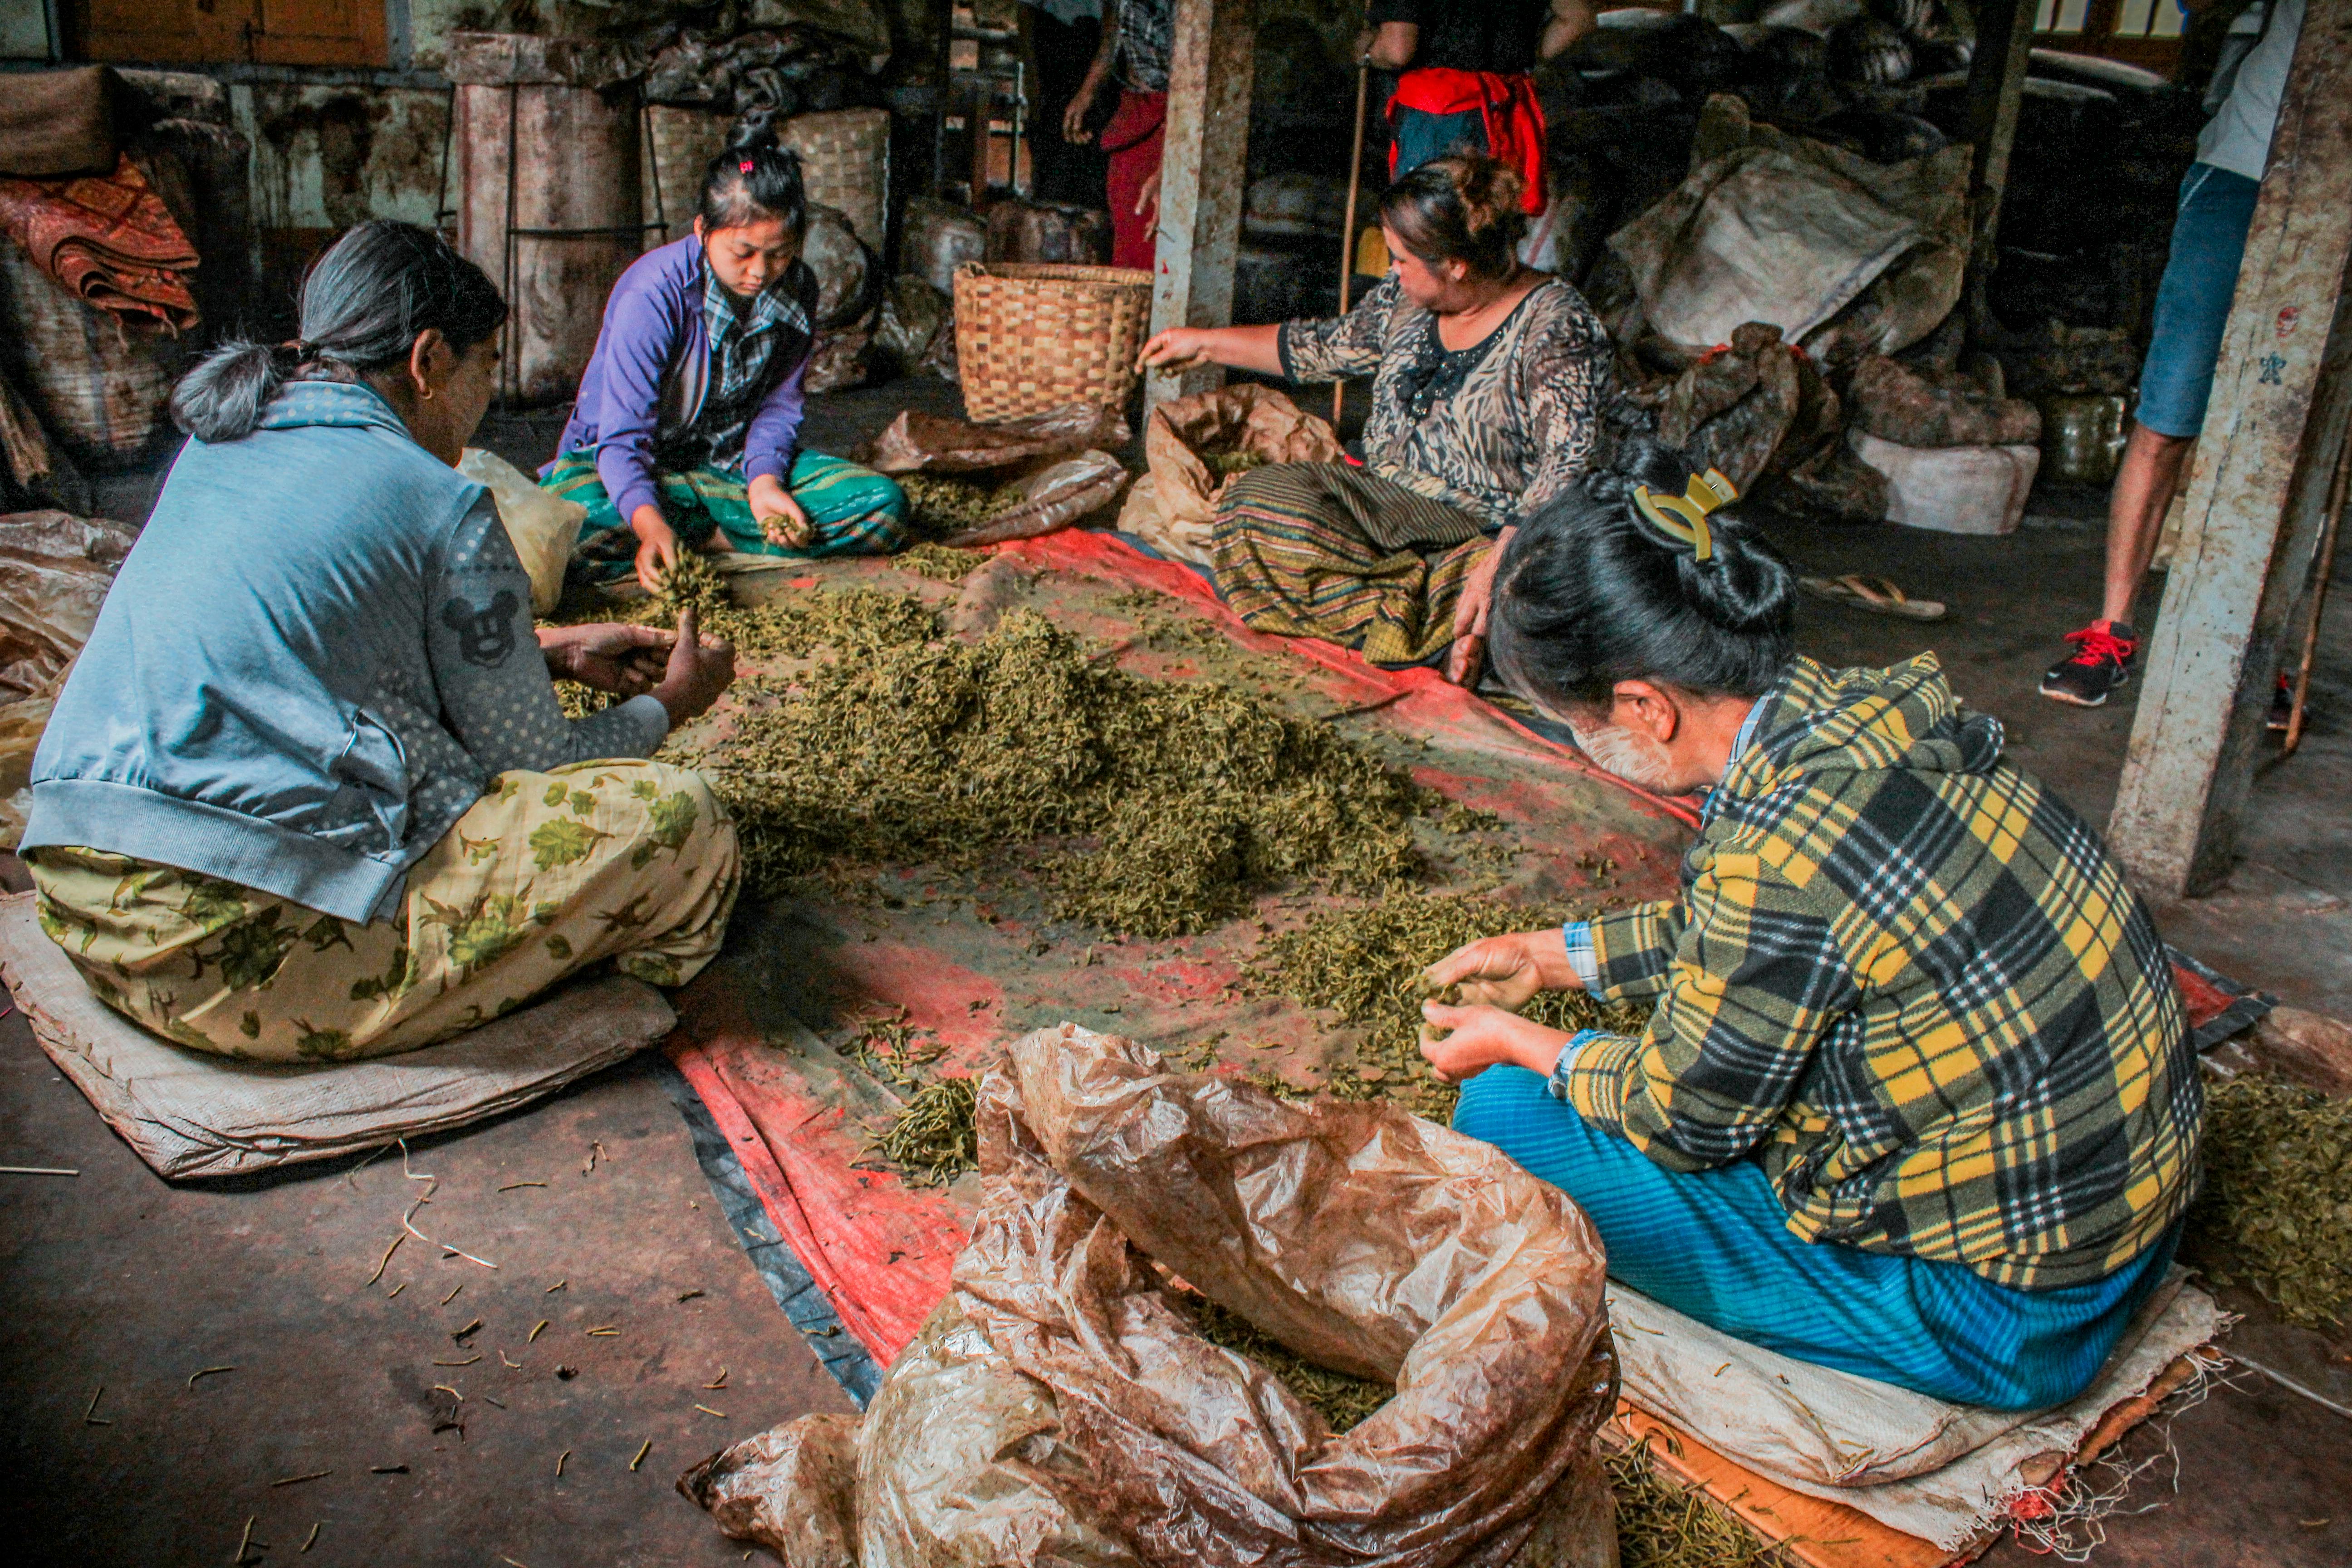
point(308, 793)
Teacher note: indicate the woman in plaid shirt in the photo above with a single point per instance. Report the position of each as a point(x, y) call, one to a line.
point(1917, 1100)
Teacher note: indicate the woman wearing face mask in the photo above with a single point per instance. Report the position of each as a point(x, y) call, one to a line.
point(1917, 1101)
point(308, 794)
point(686, 432)
point(1487, 380)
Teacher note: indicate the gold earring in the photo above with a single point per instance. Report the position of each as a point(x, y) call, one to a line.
point(424, 394)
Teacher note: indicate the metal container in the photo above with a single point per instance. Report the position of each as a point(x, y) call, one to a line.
point(2083, 438)
point(547, 195)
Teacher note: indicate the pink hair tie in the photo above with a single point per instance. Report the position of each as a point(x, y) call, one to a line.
point(745, 165)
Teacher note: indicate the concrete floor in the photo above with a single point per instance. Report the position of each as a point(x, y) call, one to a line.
point(115, 1278)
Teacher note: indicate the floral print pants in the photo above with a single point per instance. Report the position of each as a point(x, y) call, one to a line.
point(547, 874)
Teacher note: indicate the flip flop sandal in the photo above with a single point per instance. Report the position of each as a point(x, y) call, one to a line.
point(1878, 596)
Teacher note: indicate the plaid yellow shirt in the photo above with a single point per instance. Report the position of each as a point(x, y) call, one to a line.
point(1911, 981)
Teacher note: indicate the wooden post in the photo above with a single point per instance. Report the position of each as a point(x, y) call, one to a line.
point(1202, 175)
point(1996, 88)
point(2259, 496)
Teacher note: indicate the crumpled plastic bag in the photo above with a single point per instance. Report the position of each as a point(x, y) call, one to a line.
point(917, 443)
point(912, 317)
point(848, 273)
point(55, 570)
point(542, 525)
point(1058, 1408)
point(1174, 506)
point(1054, 497)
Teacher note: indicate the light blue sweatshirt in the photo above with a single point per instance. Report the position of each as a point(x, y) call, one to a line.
point(314, 661)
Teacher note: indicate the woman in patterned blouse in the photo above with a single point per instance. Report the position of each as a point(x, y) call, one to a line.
point(1487, 380)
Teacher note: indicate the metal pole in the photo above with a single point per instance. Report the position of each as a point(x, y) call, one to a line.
point(1992, 101)
point(1348, 225)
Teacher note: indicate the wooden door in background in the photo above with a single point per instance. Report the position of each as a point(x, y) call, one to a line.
point(218, 32)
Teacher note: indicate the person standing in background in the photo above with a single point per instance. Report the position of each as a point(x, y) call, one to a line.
point(1063, 37)
point(1466, 81)
point(1137, 41)
point(2193, 310)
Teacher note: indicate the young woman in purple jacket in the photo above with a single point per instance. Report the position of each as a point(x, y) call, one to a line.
point(687, 433)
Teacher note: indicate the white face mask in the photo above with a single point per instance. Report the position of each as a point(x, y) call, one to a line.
point(1635, 758)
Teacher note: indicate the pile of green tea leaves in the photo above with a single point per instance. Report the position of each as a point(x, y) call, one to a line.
point(1196, 796)
point(1365, 963)
point(1226, 463)
point(1661, 1523)
point(940, 562)
point(2276, 1210)
point(844, 619)
point(938, 506)
point(1341, 1398)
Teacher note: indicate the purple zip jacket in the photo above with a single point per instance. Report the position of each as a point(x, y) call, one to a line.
point(647, 378)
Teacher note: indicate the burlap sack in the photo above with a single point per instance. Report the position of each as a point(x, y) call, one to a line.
point(1174, 506)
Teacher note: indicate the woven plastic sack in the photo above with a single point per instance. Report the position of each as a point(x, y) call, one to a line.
point(1058, 1408)
point(1175, 507)
point(1820, 242)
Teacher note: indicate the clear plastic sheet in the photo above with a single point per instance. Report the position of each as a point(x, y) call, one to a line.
point(1055, 496)
point(1058, 1408)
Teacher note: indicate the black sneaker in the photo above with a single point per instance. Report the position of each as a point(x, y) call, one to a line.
point(2101, 661)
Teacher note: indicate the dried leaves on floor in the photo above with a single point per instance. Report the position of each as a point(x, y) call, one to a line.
point(2276, 1210)
point(1662, 1523)
point(935, 1138)
point(1365, 963)
point(940, 562)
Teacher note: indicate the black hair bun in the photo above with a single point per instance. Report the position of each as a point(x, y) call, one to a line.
point(1743, 585)
point(754, 130)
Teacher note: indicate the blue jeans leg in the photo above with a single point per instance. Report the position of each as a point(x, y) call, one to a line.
point(2192, 302)
point(1715, 1246)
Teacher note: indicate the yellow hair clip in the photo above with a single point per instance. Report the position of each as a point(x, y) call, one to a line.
point(1704, 493)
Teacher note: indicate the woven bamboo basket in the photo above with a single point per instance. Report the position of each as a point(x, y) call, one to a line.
point(1034, 338)
point(845, 163)
point(679, 145)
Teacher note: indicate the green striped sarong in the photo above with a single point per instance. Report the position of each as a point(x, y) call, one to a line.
point(1331, 551)
point(854, 511)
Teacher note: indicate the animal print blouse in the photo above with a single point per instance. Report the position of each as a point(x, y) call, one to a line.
point(1497, 429)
